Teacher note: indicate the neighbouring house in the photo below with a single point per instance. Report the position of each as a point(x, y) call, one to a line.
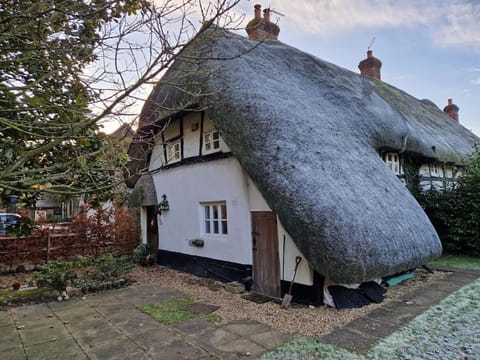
point(251, 153)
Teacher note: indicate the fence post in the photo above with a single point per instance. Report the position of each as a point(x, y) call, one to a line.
point(48, 246)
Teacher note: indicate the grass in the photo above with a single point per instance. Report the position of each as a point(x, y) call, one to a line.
point(456, 262)
point(172, 312)
point(10, 296)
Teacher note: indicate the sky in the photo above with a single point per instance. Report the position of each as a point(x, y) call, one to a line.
point(429, 48)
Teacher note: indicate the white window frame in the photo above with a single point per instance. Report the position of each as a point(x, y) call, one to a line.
point(393, 162)
point(214, 218)
point(174, 152)
point(211, 142)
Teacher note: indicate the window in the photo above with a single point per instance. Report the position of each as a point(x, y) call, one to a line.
point(215, 218)
point(174, 153)
point(393, 162)
point(211, 141)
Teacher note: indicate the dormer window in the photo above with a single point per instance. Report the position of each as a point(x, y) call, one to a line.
point(211, 141)
point(174, 152)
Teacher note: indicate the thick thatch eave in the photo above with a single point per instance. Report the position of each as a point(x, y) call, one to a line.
point(307, 133)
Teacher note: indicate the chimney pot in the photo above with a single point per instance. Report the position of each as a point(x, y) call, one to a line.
point(258, 10)
point(266, 15)
point(451, 110)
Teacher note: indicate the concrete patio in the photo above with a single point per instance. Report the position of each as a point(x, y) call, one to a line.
point(108, 326)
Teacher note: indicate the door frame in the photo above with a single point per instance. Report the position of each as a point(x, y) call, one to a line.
point(265, 253)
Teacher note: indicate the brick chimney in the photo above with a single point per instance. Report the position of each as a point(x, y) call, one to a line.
point(262, 28)
point(370, 66)
point(451, 110)
point(258, 11)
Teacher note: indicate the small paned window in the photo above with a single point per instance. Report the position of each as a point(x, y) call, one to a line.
point(211, 142)
point(174, 153)
point(215, 218)
point(393, 162)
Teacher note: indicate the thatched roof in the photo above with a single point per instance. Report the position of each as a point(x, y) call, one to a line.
point(307, 133)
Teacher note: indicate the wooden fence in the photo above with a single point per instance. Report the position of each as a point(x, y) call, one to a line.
point(31, 251)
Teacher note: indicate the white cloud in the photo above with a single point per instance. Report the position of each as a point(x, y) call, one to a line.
point(462, 26)
point(475, 81)
point(448, 23)
point(320, 17)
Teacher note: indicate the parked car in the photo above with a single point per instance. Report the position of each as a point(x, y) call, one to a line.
point(6, 220)
point(60, 227)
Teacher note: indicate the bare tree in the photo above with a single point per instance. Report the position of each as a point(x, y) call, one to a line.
point(69, 66)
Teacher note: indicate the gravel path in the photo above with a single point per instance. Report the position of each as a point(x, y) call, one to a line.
point(298, 320)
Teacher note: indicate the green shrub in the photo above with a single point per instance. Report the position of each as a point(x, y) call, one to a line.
point(142, 255)
point(84, 272)
point(111, 267)
point(55, 274)
point(455, 211)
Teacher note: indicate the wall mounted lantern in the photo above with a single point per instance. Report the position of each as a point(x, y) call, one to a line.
point(163, 205)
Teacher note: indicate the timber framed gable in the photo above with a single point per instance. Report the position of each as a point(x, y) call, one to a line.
point(187, 139)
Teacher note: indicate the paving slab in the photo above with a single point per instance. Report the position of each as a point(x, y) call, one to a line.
point(350, 340)
point(239, 347)
point(35, 311)
point(120, 348)
point(132, 321)
point(75, 312)
point(269, 339)
point(86, 325)
point(426, 297)
point(149, 339)
point(90, 337)
point(194, 327)
point(17, 354)
point(38, 335)
point(9, 339)
point(176, 350)
point(5, 318)
point(215, 338)
point(59, 305)
point(65, 348)
point(373, 328)
point(446, 287)
point(38, 322)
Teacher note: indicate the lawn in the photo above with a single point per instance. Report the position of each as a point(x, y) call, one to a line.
point(456, 262)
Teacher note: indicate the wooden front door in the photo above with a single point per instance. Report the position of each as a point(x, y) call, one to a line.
point(152, 229)
point(266, 262)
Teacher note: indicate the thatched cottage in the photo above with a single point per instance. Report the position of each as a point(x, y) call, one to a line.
point(252, 153)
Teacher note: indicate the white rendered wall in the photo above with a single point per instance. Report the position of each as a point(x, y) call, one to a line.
point(304, 272)
point(186, 188)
